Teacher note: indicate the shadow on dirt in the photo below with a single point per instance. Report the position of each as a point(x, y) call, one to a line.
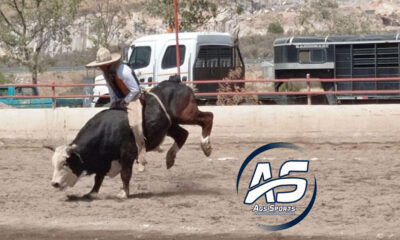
point(182, 192)
point(79, 198)
point(145, 195)
point(10, 233)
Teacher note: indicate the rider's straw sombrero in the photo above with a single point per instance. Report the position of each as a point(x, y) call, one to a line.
point(104, 57)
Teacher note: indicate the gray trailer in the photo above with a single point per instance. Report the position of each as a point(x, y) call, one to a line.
point(363, 56)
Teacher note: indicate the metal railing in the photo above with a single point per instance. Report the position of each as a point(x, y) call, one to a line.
point(19, 69)
point(308, 92)
point(49, 69)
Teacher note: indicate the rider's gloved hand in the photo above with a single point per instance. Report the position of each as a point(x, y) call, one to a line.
point(142, 97)
point(122, 104)
point(115, 105)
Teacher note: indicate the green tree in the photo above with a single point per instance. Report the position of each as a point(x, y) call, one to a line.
point(28, 26)
point(3, 79)
point(275, 28)
point(106, 20)
point(192, 13)
point(239, 9)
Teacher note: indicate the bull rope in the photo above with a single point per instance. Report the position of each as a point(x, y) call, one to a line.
point(162, 106)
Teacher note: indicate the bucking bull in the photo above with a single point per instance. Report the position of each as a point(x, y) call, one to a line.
point(106, 144)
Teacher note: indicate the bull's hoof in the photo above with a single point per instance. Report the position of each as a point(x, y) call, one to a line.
point(206, 146)
point(170, 159)
point(141, 167)
point(123, 195)
point(159, 149)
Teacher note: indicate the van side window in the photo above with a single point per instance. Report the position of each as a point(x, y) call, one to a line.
point(214, 57)
point(169, 59)
point(140, 57)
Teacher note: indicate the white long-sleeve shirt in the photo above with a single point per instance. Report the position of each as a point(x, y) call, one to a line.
point(125, 74)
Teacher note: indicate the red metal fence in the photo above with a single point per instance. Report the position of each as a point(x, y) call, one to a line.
point(308, 80)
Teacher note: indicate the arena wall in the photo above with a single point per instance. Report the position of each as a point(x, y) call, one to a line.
point(341, 123)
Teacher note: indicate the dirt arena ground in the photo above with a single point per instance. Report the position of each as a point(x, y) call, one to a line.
point(358, 195)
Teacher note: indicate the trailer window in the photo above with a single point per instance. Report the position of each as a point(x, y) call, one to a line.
point(169, 59)
point(318, 56)
point(312, 56)
point(140, 57)
point(304, 56)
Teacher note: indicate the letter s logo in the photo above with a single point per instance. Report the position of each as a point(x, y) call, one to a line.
point(263, 171)
point(268, 185)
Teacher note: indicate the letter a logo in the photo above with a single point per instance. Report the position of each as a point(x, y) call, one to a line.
point(262, 183)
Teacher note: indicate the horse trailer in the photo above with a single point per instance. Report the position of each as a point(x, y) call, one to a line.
point(364, 56)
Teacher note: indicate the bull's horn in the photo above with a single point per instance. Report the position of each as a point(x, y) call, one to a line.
point(52, 148)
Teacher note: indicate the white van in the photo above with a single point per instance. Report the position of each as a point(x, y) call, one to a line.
point(204, 56)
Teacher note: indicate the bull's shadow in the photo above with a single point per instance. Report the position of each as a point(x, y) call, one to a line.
point(79, 198)
point(146, 195)
point(181, 192)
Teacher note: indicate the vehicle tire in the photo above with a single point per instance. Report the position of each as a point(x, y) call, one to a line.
point(330, 98)
point(247, 103)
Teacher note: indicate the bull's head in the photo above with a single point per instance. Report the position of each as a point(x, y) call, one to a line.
point(67, 166)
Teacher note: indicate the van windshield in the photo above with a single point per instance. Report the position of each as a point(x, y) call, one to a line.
point(140, 57)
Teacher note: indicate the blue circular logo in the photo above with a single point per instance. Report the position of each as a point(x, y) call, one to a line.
point(293, 166)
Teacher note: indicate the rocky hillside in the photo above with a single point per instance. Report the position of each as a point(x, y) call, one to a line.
point(309, 17)
point(259, 21)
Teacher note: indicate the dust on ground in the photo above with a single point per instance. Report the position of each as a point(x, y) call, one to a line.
point(358, 192)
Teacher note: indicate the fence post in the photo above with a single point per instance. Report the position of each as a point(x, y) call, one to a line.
point(308, 89)
point(53, 99)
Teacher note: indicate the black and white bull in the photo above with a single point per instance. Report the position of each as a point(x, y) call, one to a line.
point(106, 144)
